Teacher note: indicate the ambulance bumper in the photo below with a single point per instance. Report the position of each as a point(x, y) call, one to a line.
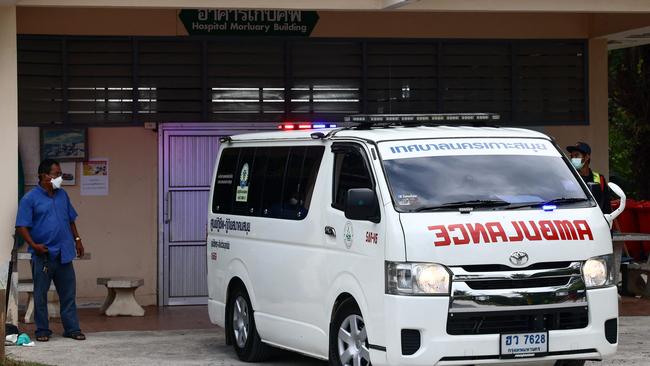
point(428, 315)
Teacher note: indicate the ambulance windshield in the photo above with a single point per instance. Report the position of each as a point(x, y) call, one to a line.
point(485, 174)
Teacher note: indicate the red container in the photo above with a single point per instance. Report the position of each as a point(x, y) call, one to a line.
point(629, 223)
point(643, 217)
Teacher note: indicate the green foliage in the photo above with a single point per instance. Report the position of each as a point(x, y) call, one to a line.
point(629, 116)
point(620, 150)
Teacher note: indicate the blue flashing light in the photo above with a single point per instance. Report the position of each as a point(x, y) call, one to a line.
point(549, 208)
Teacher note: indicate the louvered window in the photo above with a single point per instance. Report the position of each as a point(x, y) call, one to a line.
point(132, 80)
point(402, 78)
point(246, 81)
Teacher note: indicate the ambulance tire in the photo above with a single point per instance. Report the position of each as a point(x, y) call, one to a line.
point(348, 312)
point(245, 339)
point(570, 363)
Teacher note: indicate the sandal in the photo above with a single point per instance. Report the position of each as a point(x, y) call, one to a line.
point(77, 336)
point(42, 338)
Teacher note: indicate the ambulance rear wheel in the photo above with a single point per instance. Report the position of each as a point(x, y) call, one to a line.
point(245, 339)
point(570, 363)
point(348, 337)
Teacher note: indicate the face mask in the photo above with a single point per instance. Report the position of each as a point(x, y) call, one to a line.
point(577, 163)
point(56, 182)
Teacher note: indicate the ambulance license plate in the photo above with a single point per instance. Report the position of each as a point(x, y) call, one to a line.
point(524, 344)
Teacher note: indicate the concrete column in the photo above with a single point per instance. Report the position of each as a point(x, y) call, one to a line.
point(8, 135)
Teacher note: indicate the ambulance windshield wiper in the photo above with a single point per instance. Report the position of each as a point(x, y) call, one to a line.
point(462, 204)
point(556, 201)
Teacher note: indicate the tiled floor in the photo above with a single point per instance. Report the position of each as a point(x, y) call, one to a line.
point(155, 318)
point(631, 306)
point(196, 317)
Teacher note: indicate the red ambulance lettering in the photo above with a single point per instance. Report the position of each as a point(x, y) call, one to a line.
point(583, 229)
point(477, 232)
point(463, 238)
point(495, 232)
point(566, 230)
point(441, 234)
point(548, 230)
point(519, 236)
point(528, 234)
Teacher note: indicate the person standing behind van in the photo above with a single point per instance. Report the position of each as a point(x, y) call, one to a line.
point(580, 155)
point(46, 221)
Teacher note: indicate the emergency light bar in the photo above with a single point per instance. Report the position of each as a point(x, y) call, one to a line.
point(419, 119)
point(292, 126)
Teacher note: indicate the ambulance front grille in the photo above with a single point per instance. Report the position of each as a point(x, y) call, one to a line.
point(526, 283)
point(502, 268)
point(543, 285)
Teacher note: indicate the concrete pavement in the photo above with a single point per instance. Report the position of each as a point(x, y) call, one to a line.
point(144, 348)
point(207, 347)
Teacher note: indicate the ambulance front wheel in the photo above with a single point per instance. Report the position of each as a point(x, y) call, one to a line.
point(243, 333)
point(348, 337)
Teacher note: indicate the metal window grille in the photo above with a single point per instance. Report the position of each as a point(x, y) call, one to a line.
point(131, 80)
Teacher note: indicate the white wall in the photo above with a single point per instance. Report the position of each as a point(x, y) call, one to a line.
point(119, 230)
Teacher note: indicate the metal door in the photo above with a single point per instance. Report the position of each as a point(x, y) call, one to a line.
point(187, 153)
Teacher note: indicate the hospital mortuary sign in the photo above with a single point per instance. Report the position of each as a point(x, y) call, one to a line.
point(248, 22)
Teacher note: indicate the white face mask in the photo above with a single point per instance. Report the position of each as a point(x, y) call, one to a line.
point(56, 182)
point(577, 163)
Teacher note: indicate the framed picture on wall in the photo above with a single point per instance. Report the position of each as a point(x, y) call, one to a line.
point(64, 144)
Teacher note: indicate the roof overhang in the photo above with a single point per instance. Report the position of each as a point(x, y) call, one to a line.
point(631, 38)
point(622, 23)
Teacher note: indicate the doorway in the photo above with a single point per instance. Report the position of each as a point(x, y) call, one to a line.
point(187, 153)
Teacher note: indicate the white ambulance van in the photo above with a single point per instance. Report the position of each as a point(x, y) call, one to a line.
point(402, 241)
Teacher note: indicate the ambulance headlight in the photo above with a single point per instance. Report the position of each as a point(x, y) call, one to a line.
point(598, 271)
point(417, 279)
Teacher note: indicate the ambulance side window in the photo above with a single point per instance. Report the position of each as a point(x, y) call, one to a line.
point(350, 171)
point(300, 180)
point(275, 182)
point(273, 179)
point(258, 178)
point(224, 187)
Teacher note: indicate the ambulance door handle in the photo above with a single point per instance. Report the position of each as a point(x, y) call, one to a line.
point(168, 216)
point(330, 231)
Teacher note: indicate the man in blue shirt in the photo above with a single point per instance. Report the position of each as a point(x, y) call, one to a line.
point(46, 221)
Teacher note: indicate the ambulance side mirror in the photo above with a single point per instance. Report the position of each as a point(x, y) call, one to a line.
point(619, 192)
point(362, 204)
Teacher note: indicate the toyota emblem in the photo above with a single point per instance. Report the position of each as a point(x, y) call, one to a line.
point(519, 258)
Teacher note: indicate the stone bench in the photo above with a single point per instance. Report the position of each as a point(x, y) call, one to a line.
point(27, 286)
point(52, 302)
point(120, 299)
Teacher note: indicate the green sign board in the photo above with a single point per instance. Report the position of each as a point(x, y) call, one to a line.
point(249, 22)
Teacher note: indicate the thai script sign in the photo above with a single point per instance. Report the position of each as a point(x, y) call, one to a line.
point(249, 22)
